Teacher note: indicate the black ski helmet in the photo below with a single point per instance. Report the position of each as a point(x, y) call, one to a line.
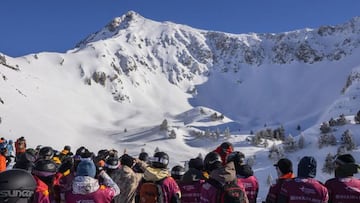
point(143, 156)
point(177, 172)
point(44, 168)
point(212, 161)
point(112, 163)
point(236, 157)
point(160, 160)
point(16, 185)
point(46, 153)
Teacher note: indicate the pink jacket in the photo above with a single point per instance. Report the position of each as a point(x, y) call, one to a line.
point(87, 189)
point(343, 190)
point(251, 187)
point(300, 190)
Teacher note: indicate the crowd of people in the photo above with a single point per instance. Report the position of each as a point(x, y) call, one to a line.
point(45, 175)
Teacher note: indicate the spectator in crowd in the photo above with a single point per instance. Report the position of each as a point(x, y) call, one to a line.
point(344, 187)
point(245, 175)
point(218, 176)
point(158, 172)
point(284, 169)
point(304, 188)
point(224, 150)
point(19, 185)
point(86, 188)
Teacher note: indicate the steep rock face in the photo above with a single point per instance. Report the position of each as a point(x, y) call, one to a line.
point(191, 53)
point(198, 51)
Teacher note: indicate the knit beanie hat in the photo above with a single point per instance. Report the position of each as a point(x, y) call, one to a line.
point(307, 167)
point(284, 165)
point(345, 159)
point(86, 168)
point(346, 166)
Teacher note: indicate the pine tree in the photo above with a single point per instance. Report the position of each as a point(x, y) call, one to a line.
point(289, 143)
point(227, 134)
point(348, 140)
point(157, 149)
point(266, 143)
point(325, 127)
point(172, 134)
point(301, 141)
point(164, 125)
point(328, 164)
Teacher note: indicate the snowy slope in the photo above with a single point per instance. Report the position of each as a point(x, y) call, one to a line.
point(119, 84)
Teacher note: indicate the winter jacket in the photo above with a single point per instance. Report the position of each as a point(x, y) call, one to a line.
point(127, 180)
point(41, 194)
point(274, 189)
point(246, 176)
point(87, 189)
point(170, 188)
point(190, 186)
point(303, 190)
point(222, 175)
point(2, 162)
point(343, 190)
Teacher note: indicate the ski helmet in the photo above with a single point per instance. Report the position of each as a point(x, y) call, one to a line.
point(112, 163)
point(236, 157)
point(160, 160)
point(143, 156)
point(46, 153)
point(177, 172)
point(212, 161)
point(44, 168)
point(16, 185)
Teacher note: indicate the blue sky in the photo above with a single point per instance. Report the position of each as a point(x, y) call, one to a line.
point(43, 25)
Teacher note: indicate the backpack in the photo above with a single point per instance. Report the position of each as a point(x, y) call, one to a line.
point(151, 192)
point(230, 192)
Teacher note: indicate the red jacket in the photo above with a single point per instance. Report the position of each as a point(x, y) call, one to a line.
point(274, 189)
point(343, 190)
point(251, 186)
point(42, 192)
point(303, 190)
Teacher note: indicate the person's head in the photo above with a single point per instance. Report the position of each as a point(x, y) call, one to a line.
point(143, 156)
point(86, 168)
point(236, 157)
point(345, 166)
point(307, 167)
point(3, 148)
point(284, 166)
point(11, 142)
point(160, 160)
point(45, 170)
point(67, 147)
point(127, 160)
point(177, 172)
point(196, 163)
point(227, 147)
point(212, 161)
point(26, 160)
point(46, 153)
point(112, 163)
point(16, 186)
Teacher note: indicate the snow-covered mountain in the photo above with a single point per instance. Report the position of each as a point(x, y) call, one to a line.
point(118, 85)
